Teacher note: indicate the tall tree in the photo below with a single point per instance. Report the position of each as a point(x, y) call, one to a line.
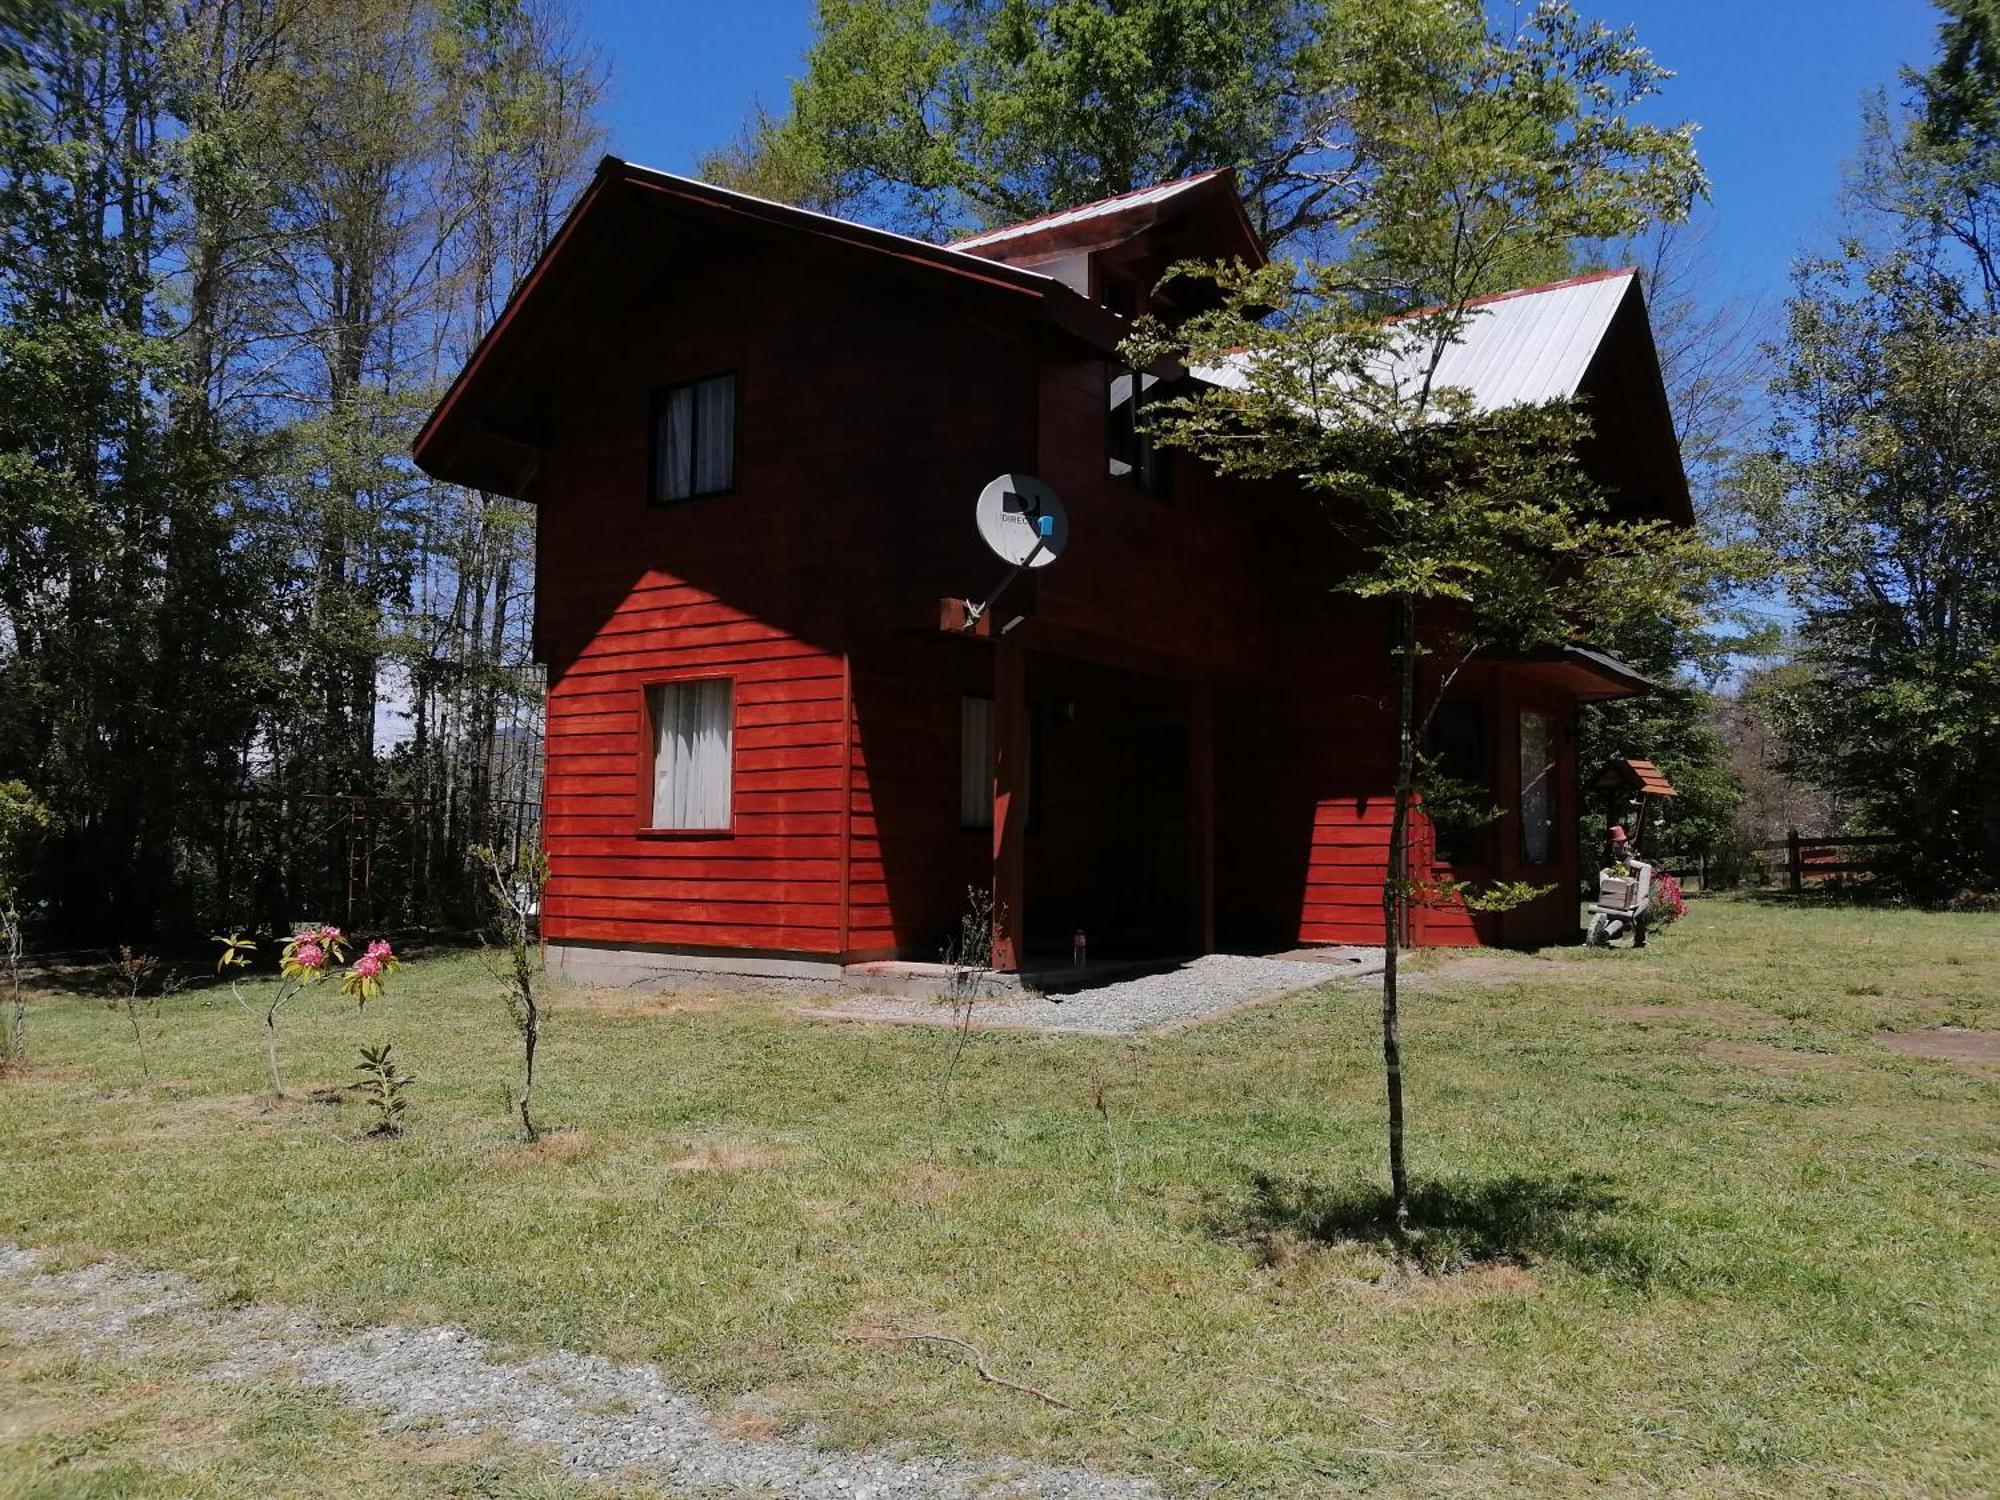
point(244, 243)
point(1466, 152)
point(1881, 488)
point(932, 115)
point(113, 502)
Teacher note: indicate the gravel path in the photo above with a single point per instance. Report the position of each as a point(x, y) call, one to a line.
point(1198, 990)
point(600, 1420)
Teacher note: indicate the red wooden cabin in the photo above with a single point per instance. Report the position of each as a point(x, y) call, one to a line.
point(754, 435)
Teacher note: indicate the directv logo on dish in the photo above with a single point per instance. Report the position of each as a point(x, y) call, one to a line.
point(1015, 506)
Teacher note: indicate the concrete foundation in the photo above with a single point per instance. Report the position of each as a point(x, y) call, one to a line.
point(661, 969)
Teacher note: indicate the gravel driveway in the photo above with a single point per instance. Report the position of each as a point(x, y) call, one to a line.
point(598, 1420)
point(1197, 990)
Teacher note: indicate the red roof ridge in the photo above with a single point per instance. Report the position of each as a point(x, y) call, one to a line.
point(1555, 286)
point(1075, 208)
point(1521, 291)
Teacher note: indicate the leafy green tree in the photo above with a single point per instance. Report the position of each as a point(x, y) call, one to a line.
point(1880, 491)
point(934, 114)
point(243, 243)
point(1881, 500)
point(1469, 151)
point(118, 591)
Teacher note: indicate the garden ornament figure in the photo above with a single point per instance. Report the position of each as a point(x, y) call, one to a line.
point(1624, 895)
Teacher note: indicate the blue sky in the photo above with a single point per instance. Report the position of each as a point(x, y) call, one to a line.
point(1774, 84)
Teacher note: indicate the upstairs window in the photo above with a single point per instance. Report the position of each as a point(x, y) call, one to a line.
point(1538, 787)
point(693, 734)
point(694, 439)
point(1130, 453)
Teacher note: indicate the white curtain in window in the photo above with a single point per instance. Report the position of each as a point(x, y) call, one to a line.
point(715, 435)
point(1538, 779)
point(975, 762)
point(676, 440)
point(692, 729)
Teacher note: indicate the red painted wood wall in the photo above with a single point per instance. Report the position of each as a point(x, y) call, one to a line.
point(836, 515)
point(871, 409)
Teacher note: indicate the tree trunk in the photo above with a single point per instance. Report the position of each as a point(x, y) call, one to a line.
point(1395, 899)
point(17, 1021)
point(531, 1034)
point(132, 1015)
point(271, 1051)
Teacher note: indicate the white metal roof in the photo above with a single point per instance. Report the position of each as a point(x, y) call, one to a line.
point(1516, 349)
point(1160, 192)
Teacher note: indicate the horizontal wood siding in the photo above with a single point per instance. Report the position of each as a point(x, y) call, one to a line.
point(862, 438)
point(911, 861)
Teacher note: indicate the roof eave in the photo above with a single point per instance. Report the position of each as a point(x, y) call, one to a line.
point(1587, 675)
point(440, 447)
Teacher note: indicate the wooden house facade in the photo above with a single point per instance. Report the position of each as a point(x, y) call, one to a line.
point(753, 436)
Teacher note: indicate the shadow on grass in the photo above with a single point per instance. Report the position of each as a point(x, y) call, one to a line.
point(1456, 1226)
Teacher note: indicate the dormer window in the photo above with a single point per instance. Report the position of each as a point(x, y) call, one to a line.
point(694, 439)
point(1129, 451)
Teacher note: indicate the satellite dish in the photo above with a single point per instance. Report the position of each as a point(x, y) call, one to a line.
point(1021, 519)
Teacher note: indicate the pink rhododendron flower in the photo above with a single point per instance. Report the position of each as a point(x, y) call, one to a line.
point(309, 955)
point(380, 949)
point(329, 934)
point(368, 966)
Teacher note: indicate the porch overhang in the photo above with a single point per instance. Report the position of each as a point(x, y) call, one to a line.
point(1585, 675)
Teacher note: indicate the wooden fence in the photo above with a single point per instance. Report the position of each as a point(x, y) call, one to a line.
point(1798, 861)
point(1819, 859)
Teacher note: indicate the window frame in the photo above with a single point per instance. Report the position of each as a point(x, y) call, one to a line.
point(1146, 454)
point(1522, 781)
point(985, 826)
point(1484, 837)
point(1035, 738)
point(656, 405)
point(649, 735)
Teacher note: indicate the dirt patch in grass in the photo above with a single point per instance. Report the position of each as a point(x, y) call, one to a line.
point(1958, 1044)
point(1764, 1055)
point(557, 1146)
point(642, 1004)
point(1490, 968)
point(1302, 1266)
point(748, 1422)
point(729, 1156)
point(197, 1118)
point(927, 1182)
point(1662, 1012)
point(1473, 1283)
point(25, 1419)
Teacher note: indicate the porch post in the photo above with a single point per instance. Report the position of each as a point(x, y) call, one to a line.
point(1201, 809)
point(1010, 802)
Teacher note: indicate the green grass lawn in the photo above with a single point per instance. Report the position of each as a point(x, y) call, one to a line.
point(1692, 1228)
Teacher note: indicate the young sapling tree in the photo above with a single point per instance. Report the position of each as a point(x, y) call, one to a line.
point(384, 1084)
point(1466, 156)
point(134, 972)
point(514, 890)
point(308, 956)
